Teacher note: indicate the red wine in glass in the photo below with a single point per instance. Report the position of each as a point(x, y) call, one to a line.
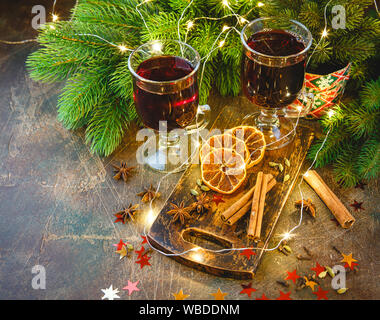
point(272, 86)
point(177, 99)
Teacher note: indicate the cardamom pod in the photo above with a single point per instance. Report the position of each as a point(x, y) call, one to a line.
point(286, 178)
point(330, 272)
point(205, 188)
point(281, 167)
point(273, 164)
point(342, 290)
point(194, 192)
point(199, 182)
point(322, 274)
point(287, 248)
point(287, 162)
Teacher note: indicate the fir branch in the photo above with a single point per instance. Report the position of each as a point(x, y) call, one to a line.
point(368, 164)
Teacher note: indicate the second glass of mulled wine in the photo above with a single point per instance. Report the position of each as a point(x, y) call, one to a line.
point(166, 95)
point(273, 71)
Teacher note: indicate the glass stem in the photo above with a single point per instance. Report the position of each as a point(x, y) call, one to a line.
point(268, 119)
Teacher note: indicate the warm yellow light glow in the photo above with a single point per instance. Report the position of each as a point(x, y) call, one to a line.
point(221, 43)
point(306, 174)
point(225, 28)
point(242, 20)
point(157, 46)
point(225, 3)
point(197, 256)
point(287, 236)
point(299, 108)
point(260, 4)
point(55, 17)
point(122, 48)
point(324, 33)
point(330, 113)
point(150, 217)
point(52, 27)
point(190, 24)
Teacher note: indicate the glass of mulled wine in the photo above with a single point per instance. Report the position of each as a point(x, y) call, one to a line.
point(273, 71)
point(166, 95)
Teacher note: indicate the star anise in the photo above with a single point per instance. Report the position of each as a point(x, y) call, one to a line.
point(180, 213)
point(149, 194)
point(308, 206)
point(122, 171)
point(127, 213)
point(202, 204)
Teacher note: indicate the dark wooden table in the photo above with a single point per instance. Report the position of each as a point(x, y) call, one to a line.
point(57, 202)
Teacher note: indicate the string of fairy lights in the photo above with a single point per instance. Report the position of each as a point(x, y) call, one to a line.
point(151, 215)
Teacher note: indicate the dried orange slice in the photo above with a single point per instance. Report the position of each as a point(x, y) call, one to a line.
point(223, 170)
point(225, 141)
point(254, 139)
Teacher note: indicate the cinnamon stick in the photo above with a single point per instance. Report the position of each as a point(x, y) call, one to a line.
point(239, 204)
point(337, 208)
point(260, 212)
point(248, 205)
point(255, 206)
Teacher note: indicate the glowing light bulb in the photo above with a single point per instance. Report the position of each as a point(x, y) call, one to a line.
point(221, 43)
point(330, 113)
point(190, 24)
point(287, 236)
point(197, 256)
point(299, 108)
point(150, 217)
point(225, 3)
point(260, 4)
point(55, 17)
point(242, 20)
point(306, 174)
point(324, 33)
point(157, 46)
point(225, 28)
point(52, 27)
point(122, 48)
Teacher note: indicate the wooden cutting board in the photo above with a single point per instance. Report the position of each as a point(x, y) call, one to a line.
point(208, 231)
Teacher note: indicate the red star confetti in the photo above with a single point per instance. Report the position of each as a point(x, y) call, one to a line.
point(132, 287)
point(318, 269)
point(119, 245)
point(349, 260)
point(217, 198)
point(353, 264)
point(263, 297)
point(292, 276)
point(140, 252)
point(248, 253)
point(321, 294)
point(144, 261)
point(144, 240)
point(284, 296)
point(247, 288)
point(357, 205)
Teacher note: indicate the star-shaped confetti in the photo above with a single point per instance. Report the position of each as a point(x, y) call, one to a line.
point(140, 252)
point(217, 198)
point(284, 296)
point(321, 294)
point(248, 253)
point(123, 252)
point(110, 293)
point(357, 205)
point(292, 276)
point(219, 295)
point(119, 245)
point(263, 297)
point(132, 287)
point(349, 260)
point(180, 295)
point(247, 288)
point(353, 264)
point(144, 240)
point(144, 261)
point(318, 269)
point(310, 283)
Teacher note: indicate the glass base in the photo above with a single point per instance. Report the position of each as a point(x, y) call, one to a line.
point(163, 156)
point(278, 133)
point(201, 120)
